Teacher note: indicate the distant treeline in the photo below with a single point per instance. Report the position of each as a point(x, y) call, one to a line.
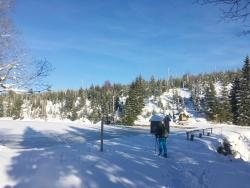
point(126, 100)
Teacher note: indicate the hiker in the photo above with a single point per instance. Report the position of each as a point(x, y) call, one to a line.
point(163, 131)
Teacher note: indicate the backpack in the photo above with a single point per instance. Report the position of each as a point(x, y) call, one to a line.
point(163, 131)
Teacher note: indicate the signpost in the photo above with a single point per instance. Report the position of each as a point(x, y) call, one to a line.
point(104, 117)
point(102, 125)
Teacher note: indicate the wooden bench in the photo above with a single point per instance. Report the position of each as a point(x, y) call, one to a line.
point(191, 132)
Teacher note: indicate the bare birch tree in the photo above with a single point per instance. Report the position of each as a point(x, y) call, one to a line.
point(18, 72)
point(233, 10)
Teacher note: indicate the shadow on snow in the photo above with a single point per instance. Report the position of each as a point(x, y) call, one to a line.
point(52, 161)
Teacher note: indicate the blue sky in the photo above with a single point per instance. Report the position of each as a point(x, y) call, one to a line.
point(90, 41)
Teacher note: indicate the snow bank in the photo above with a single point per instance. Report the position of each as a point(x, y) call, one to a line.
point(238, 136)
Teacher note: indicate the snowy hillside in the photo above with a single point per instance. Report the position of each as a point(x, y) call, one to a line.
point(163, 104)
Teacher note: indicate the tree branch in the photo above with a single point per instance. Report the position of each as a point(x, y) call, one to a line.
point(232, 10)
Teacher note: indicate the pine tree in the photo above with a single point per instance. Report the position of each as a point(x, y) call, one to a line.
point(69, 101)
point(234, 101)
point(95, 106)
point(224, 108)
point(135, 101)
point(9, 104)
point(17, 107)
point(74, 115)
point(82, 99)
point(211, 102)
point(95, 114)
point(69, 104)
point(43, 112)
point(152, 86)
point(176, 99)
point(130, 107)
point(244, 94)
point(195, 95)
point(1, 108)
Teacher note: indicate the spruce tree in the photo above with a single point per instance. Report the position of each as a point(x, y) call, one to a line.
point(17, 107)
point(152, 86)
point(1, 108)
point(82, 99)
point(234, 101)
point(224, 108)
point(95, 107)
point(69, 101)
point(9, 104)
point(43, 112)
point(130, 107)
point(244, 95)
point(74, 115)
point(211, 102)
point(95, 115)
point(135, 101)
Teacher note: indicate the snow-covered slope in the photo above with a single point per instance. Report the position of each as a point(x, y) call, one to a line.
point(160, 105)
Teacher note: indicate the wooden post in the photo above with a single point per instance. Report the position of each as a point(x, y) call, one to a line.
point(187, 135)
point(192, 137)
point(102, 124)
point(200, 135)
point(101, 149)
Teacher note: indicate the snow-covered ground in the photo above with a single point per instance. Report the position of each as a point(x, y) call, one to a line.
point(66, 155)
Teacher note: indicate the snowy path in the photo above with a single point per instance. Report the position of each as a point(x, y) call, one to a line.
point(129, 161)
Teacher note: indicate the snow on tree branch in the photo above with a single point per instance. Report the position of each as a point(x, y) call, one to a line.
point(18, 72)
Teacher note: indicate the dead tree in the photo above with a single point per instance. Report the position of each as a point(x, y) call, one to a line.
point(233, 10)
point(18, 72)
